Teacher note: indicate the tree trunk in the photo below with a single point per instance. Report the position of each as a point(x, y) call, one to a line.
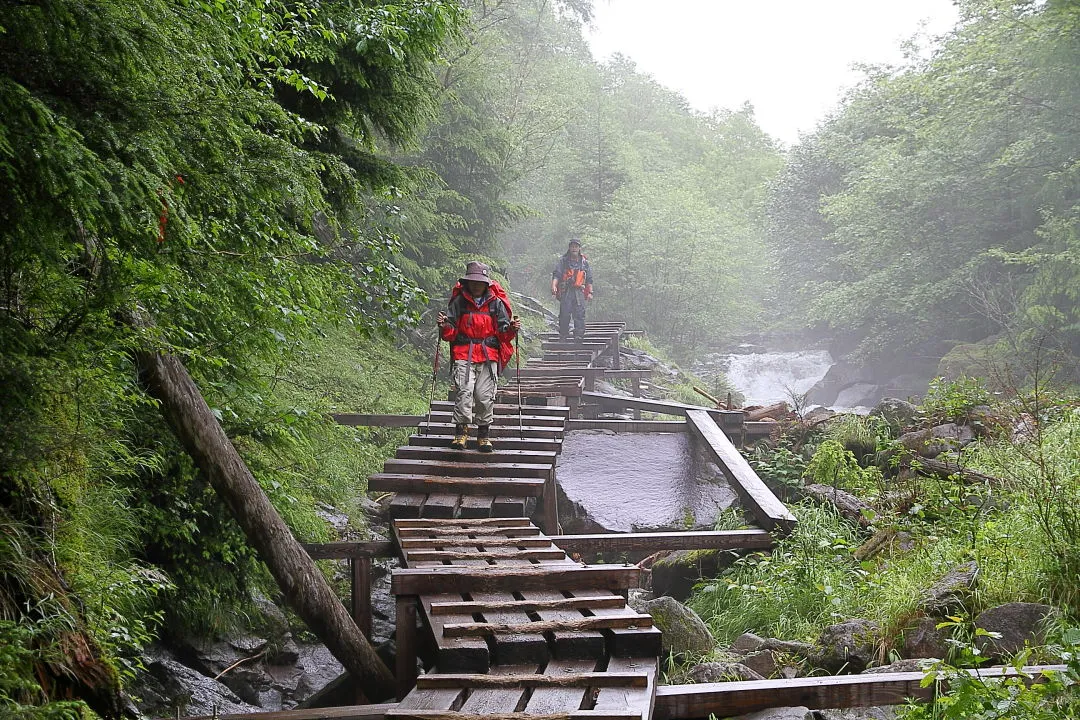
point(304, 587)
point(845, 503)
point(777, 411)
point(946, 468)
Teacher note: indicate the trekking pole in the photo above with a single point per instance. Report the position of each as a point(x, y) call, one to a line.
point(517, 362)
point(434, 377)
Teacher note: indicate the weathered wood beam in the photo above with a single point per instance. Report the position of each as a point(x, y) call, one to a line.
point(400, 482)
point(575, 603)
point(439, 681)
point(450, 578)
point(685, 702)
point(589, 623)
point(348, 712)
point(650, 542)
point(347, 550)
point(766, 508)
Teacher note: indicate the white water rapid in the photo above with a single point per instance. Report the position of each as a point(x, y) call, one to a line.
point(771, 377)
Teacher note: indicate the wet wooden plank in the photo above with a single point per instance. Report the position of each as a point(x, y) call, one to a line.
point(630, 542)
point(344, 550)
point(637, 701)
point(475, 506)
point(406, 505)
point(506, 440)
point(509, 409)
point(465, 523)
point(480, 468)
point(529, 417)
point(502, 700)
point(552, 607)
point(766, 508)
point(636, 642)
point(348, 712)
point(478, 540)
point(417, 581)
point(440, 505)
point(497, 554)
point(508, 506)
point(517, 644)
point(497, 431)
point(426, 484)
point(558, 700)
point(537, 601)
point(579, 679)
point(676, 702)
point(630, 620)
point(439, 454)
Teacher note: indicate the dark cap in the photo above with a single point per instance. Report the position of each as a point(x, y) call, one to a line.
point(477, 271)
point(574, 241)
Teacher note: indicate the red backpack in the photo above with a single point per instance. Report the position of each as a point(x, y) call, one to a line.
point(506, 349)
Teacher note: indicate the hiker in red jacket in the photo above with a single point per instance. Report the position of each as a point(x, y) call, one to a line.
point(480, 328)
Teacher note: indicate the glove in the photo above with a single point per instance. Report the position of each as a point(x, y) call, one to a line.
point(588, 292)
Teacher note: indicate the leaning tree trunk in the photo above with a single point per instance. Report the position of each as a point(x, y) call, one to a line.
point(305, 588)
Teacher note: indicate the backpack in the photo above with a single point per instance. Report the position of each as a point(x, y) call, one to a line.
point(505, 349)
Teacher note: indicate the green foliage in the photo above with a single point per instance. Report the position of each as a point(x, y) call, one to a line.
point(952, 400)
point(938, 204)
point(1052, 695)
point(809, 581)
point(832, 464)
point(779, 465)
point(21, 697)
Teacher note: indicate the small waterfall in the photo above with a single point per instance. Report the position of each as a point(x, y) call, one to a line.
point(771, 377)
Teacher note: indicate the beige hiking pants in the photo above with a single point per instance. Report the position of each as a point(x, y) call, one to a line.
point(474, 386)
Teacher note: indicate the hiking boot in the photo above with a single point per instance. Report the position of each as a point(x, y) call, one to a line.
point(483, 442)
point(461, 436)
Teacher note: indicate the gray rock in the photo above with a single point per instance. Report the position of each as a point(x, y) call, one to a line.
point(166, 685)
point(1017, 623)
point(909, 665)
point(792, 647)
point(896, 411)
point(925, 640)
point(951, 591)
point(887, 712)
point(685, 635)
point(858, 395)
point(677, 573)
point(714, 672)
point(818, 415)
point(847, 647)
point(746, 643)
point(762, 662)
point(790, 713)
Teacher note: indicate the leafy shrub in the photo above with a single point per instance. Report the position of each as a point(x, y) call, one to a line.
point(954, 399)
point(833, 465)
point(778, 464)
point(860, 435)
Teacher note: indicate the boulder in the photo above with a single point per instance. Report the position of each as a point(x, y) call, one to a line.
point(714, 672)
point(847, 647)
point(925, 640)
point(887, 712)
point(677, 573)
point(790, 647)
point(1017, 623)
point(166, 686)
point(789, 713)
point(840, 375)
point(898, 412)
point(685, 635)
point(909, 665)
point(818, 415)
point(931, 442)
point(859, 395)
point(762, 662)
point(950, 591)
point(746, 643)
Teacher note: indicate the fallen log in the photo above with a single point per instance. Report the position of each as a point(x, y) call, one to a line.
point(167, 380)
point(949, 468)
point(776, 411)
point(845, 503)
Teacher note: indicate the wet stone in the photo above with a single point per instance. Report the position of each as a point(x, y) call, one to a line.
point(637, 482)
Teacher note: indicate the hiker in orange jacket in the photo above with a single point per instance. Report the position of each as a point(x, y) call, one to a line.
point(480, 327)
point(571, 283)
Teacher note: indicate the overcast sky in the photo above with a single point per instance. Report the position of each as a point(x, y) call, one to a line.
point(791, 59)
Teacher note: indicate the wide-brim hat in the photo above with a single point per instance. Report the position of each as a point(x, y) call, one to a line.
point(477, 272)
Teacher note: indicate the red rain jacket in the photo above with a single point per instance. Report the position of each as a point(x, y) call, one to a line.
point(479, 330)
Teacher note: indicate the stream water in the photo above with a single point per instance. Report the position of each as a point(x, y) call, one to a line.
point(771, 377)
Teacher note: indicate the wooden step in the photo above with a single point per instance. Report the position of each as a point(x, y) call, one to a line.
point(454, 578)
point(497, 431)
point(401, 483)
point(549, 421)
point(500, 443)
point(411, 452)
point(507, 409)
point(412, 466)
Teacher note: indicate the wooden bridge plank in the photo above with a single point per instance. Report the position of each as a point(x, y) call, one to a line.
point(576, 680)
point(503, 700)
point(440, 505)
point(501, 443)
point(416, 581)
point(424, 484)
point(680, 702)
point(630, 542)
point(510, 430)
point(578, 644)
point(406, 505)
point(410, 466)
point(508, 506)
point(475, 506)
point(485, 540)
point(465, 523)
point(638, 701)
point(769, 512)
point(629, 643)
point(439, 454)
point(535, 601)
point(509, 409)
point(560, 700)
point(529, 417)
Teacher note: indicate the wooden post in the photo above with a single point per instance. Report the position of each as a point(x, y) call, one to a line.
point(550, 515)
point(406, 644)
point(635, 387)
point(360, 569)
point(574, 402)
point(615, 358)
